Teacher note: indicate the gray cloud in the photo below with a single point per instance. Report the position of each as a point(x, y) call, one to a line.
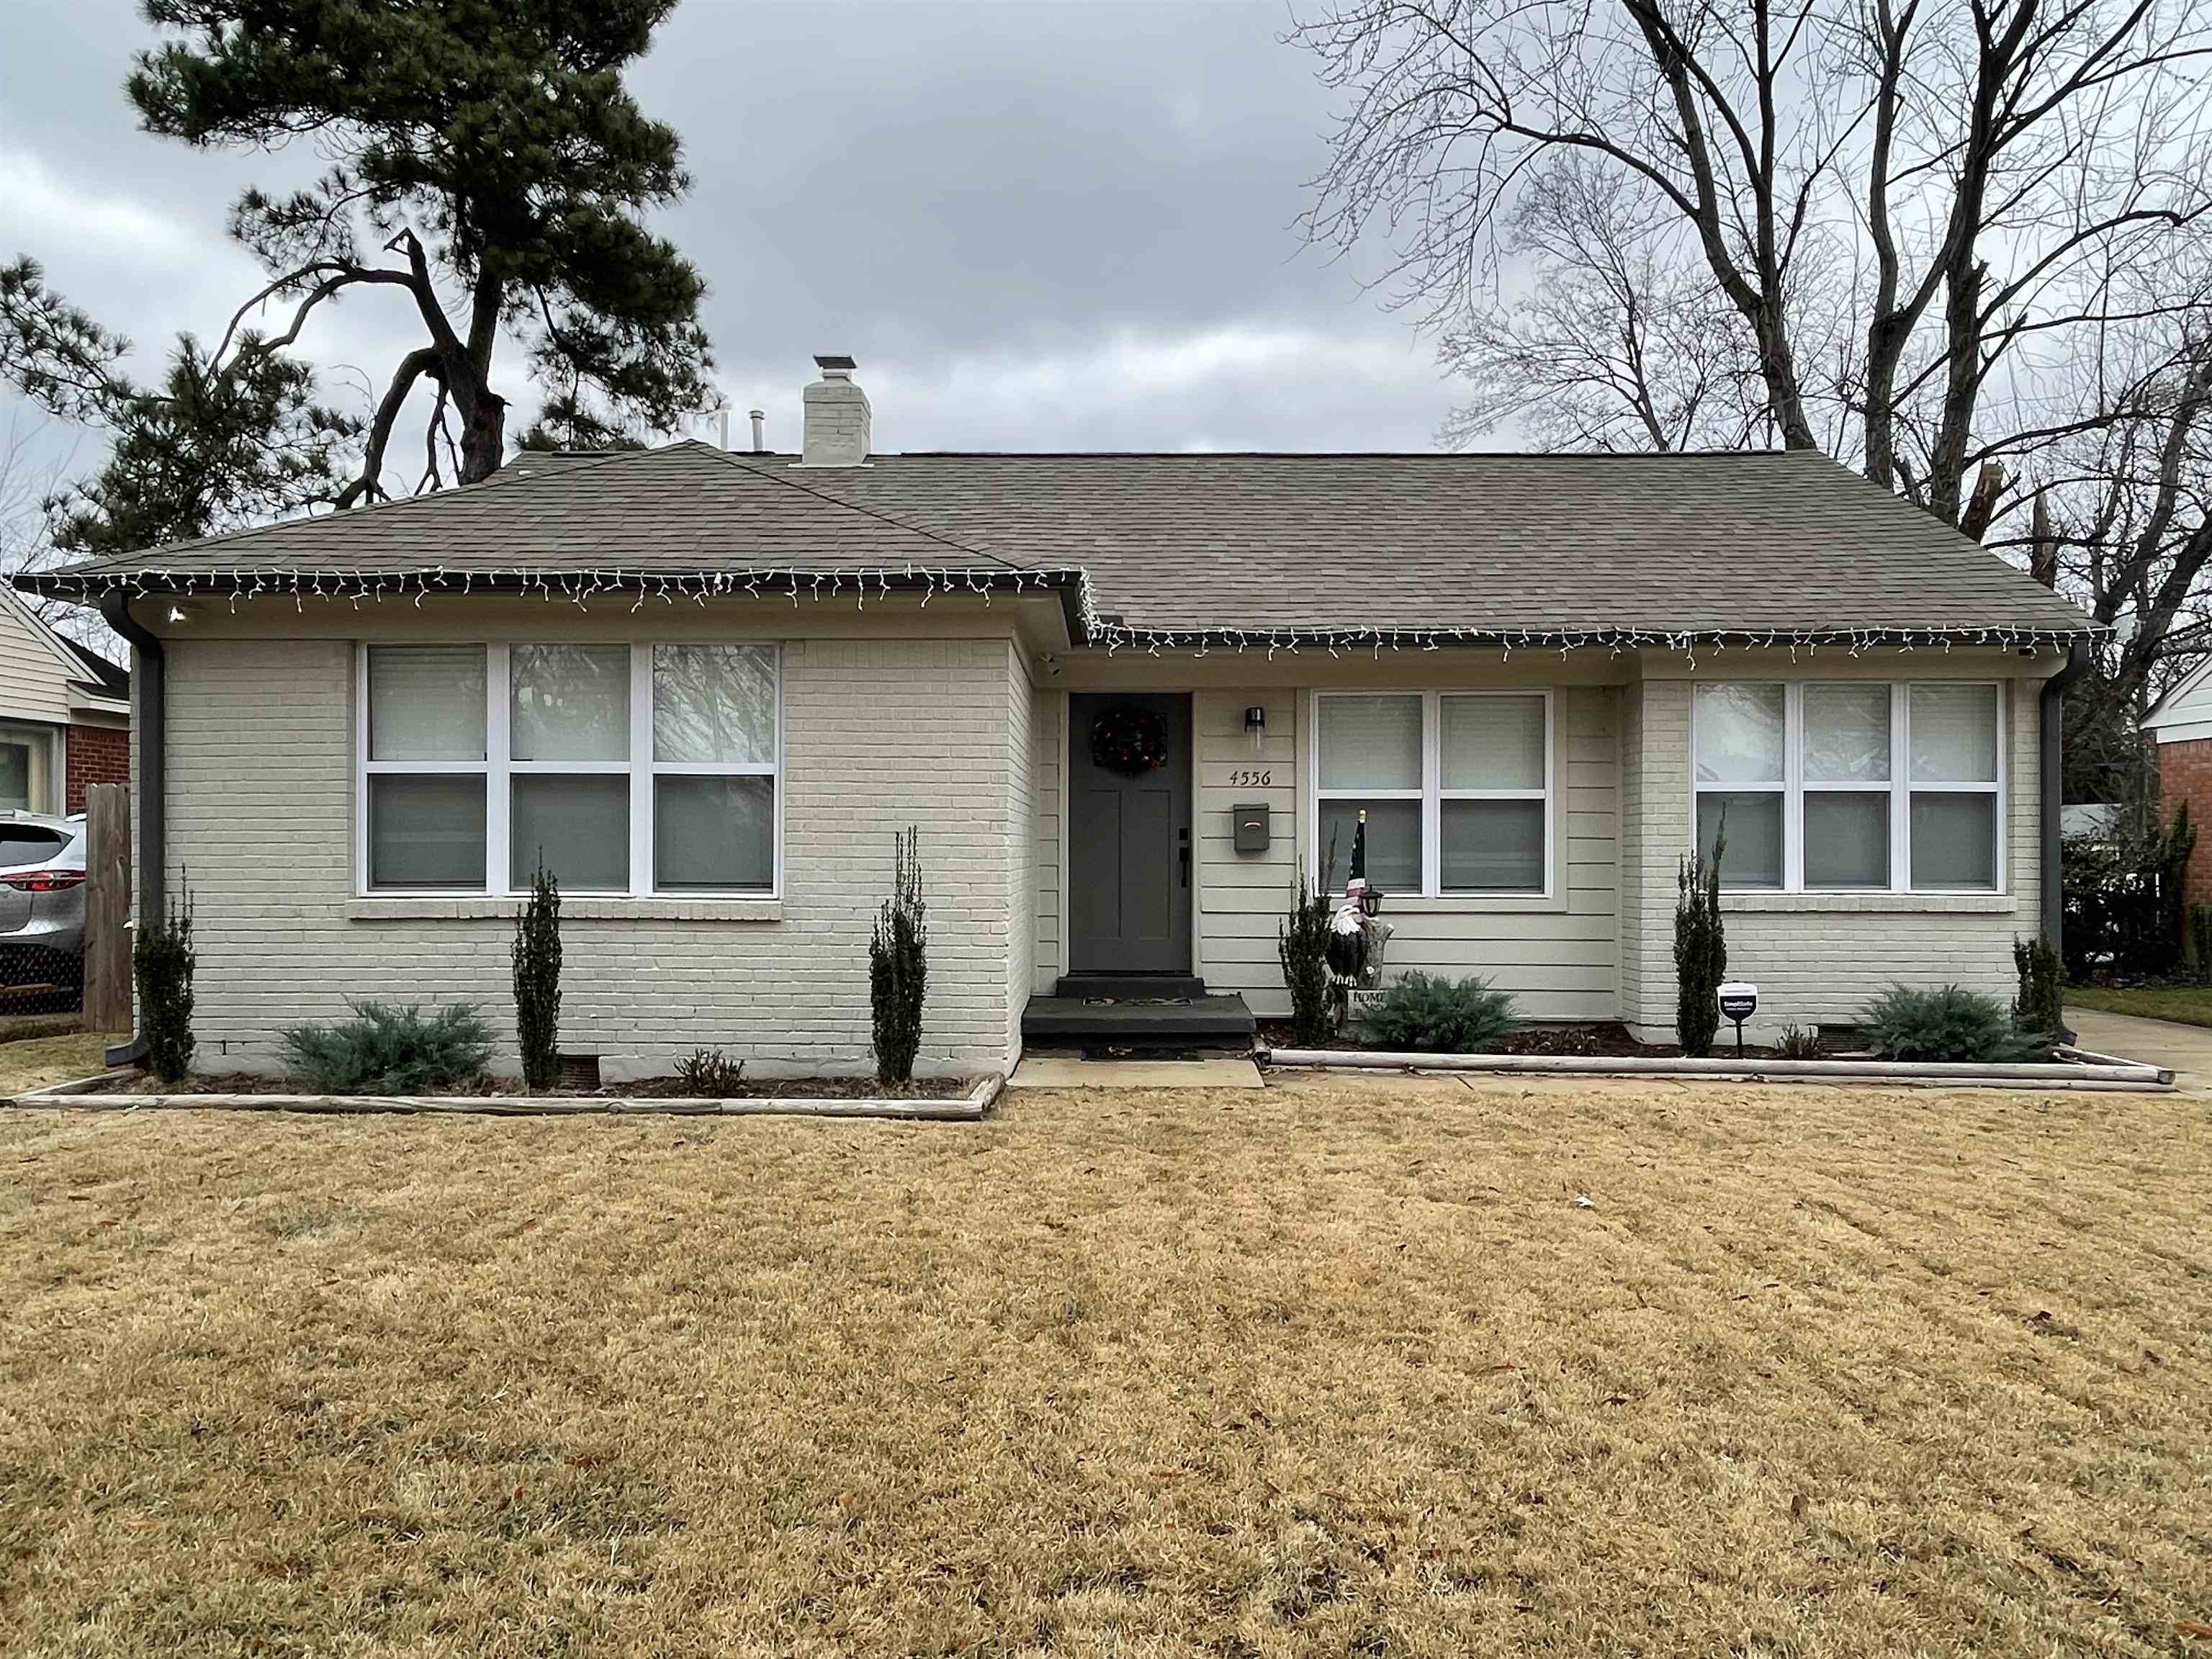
point(1037, 225)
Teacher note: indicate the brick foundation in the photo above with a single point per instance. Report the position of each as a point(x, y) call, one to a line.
point(97, 754)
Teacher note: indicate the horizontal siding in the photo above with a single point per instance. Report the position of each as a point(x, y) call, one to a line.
point(33, 684)
point(1242, 897)
point(1559, 957)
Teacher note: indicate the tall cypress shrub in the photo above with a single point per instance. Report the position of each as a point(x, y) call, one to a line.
point(162, 961)
point(2039, 1006)
point(537, 984)
point(898, 964)
point(1301, 946)
point(1700, 950)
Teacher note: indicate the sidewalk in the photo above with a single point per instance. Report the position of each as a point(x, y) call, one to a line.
point(2186, 1050)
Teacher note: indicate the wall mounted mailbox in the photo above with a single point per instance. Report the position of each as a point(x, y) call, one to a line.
point(1250, 820)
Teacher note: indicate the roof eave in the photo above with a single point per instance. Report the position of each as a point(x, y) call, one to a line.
point(1069, 585)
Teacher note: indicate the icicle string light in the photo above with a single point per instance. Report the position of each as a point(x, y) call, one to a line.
point(796, 584)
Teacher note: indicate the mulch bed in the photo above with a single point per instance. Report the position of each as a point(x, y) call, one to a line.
point(659, 1088)
point(1602, 1040)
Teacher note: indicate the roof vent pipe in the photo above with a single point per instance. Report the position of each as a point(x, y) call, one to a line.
point(760, 430)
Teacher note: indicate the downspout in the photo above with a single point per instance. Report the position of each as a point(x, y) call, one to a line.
point(2054, 790)
point(149, 720)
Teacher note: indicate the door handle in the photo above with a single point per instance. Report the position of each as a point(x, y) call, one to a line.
point(1186, 868)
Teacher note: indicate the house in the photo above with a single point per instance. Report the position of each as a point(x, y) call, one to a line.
point(65, 715)
point(1126, 699)
point(2180, 722)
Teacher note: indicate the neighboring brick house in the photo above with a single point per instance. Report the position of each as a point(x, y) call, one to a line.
point(1126, 699)
point(2182, 724)
point(64, 716)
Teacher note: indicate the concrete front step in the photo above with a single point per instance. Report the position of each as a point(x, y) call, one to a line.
point(1125, 987)
point(1201, 1022)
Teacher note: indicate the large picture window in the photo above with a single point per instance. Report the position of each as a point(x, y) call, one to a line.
point(1850, 786)
point(625, 770)
point(1457, 787)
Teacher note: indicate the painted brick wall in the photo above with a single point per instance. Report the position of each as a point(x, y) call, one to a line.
point(879, 733)
point(2184, 773)
point(95, 754)
point(1820, 957)
point(1020, 845)
point(1048, 712)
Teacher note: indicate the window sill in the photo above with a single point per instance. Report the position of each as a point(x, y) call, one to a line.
point(462, 907)
point(1872, 904)
point(1448, 904)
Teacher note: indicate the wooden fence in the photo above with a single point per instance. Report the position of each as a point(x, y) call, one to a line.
point(107, 907)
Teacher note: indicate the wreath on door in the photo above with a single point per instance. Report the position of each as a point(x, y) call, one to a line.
point(1129, 740)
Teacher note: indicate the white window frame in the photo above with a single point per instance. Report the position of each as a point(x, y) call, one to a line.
point(43, 767)
point(1899, 785)
point(498, 770)
point(1431, 794)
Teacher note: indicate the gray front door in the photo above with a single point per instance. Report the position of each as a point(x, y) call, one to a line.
point(1129, 845)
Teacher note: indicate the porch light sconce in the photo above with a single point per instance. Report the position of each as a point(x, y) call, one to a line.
point(1255, 725)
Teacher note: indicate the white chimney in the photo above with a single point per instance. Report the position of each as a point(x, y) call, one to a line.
point(837, 417)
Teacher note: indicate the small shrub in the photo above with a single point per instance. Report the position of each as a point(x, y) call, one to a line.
point(2200, 943)
point(384, 1050)
point(898, 964)
point(162, 962)
point(537, 984)
point(1700, 949)
point(1302, 943)
point(1800, 1042)
point(2038, 1006)
point(1951, 1023)
point(710, 1074)
point(1421, 1012)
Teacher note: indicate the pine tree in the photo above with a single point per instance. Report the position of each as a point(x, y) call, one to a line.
point(488, 171)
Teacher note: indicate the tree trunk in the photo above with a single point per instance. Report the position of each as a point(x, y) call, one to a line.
point(483, 437)
point(2042, 546)
point(1884, 345)
point(1962, 377)
point(1779, 369)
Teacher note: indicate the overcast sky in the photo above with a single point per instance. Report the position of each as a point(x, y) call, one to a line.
point(1049, 224)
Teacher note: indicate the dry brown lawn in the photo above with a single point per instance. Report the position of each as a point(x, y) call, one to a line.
point(42, 1062)
point(1341, 1368)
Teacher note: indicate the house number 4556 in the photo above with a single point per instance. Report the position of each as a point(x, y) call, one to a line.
point(1252, 778)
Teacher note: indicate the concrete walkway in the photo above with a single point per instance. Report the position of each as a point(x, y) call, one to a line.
point(1062, 1071)
point(2186, 1050)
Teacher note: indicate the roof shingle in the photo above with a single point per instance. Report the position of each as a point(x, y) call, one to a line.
point(1657, 544)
